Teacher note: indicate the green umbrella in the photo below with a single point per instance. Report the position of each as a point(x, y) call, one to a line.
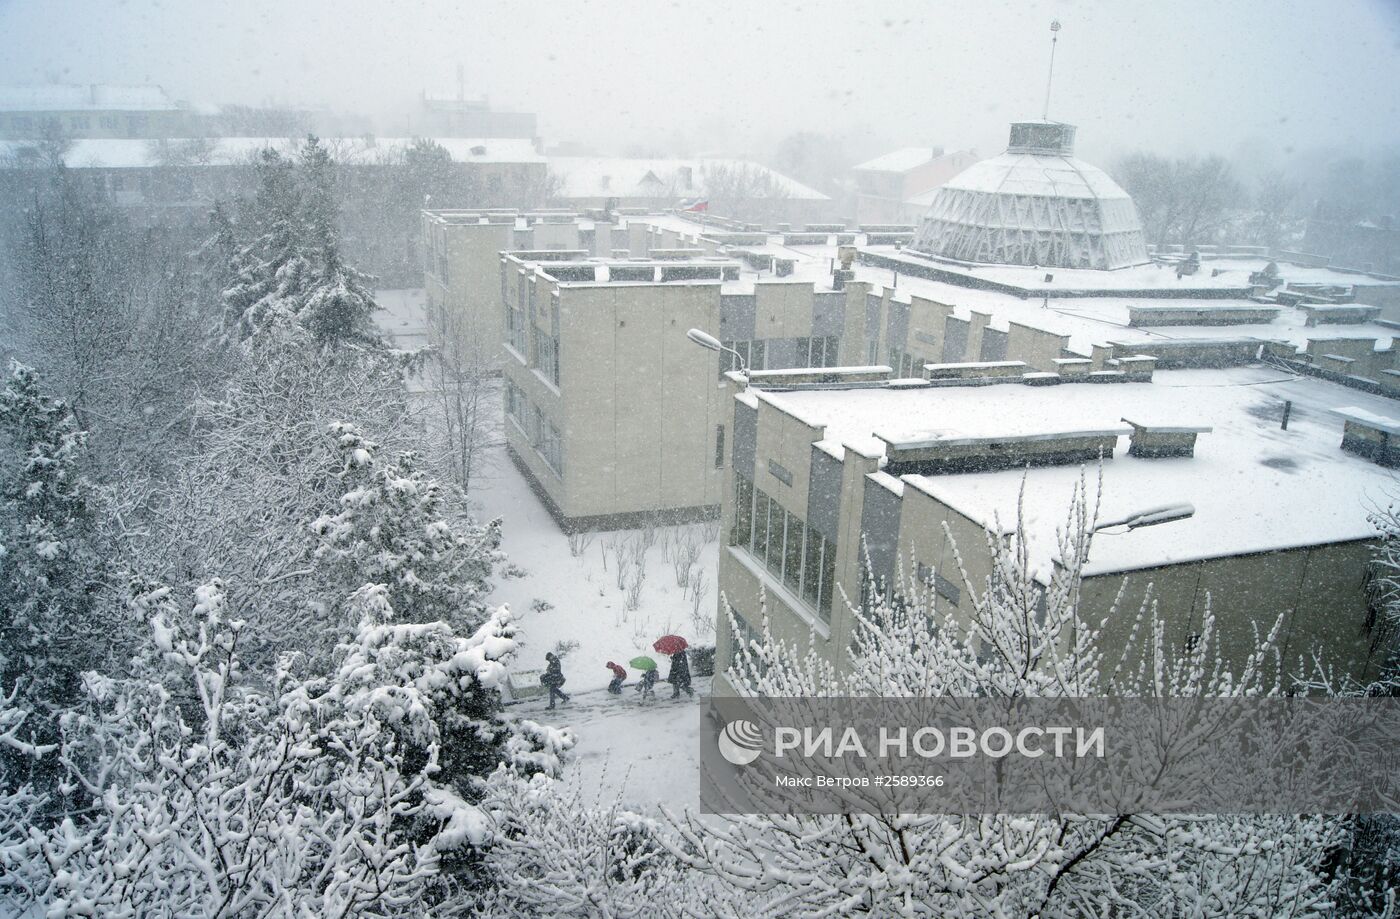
point(643, 663)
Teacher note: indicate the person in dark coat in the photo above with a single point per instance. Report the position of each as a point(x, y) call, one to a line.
point(679, 677)
point(553, 678)
point(615, 687)
point(647, 684)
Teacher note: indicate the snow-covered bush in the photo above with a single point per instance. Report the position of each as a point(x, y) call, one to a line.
point(1021, 638)
point(197, 794)
point(554, 851)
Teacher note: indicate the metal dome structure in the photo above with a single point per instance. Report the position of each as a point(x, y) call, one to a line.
point(1035, 204)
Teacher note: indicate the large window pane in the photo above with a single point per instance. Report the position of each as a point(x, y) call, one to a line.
point(775, 537)
point(743, 513)
point(792, 554)
point(760, 523)
point(811, 567)
point(828, 580)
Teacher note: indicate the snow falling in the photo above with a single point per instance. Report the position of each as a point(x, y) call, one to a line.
point(414, 416)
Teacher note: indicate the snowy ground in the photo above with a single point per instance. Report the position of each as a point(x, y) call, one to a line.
point(642, 754)
point(572, 602)
point(563, 598)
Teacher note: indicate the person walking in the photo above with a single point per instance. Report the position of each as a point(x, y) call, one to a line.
point(615, 687)
point(679, 677)
point(647, 686)
point(553, 678)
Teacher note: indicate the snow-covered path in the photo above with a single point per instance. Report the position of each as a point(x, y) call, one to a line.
point(645, 754)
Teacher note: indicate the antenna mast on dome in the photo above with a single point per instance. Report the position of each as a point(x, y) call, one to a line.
point(1054, 39)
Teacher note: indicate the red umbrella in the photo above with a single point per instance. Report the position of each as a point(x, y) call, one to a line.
point(670, 644)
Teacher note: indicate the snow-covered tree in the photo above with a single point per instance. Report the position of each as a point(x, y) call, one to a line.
point(1021, 638)
point(291, 272)
point(392, 528)
point(553, 850)
point(200, 794)
point(50, 575)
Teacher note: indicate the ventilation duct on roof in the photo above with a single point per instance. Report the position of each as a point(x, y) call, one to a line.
point(952, 454)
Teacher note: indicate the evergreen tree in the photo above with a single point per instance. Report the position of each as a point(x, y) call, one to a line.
point(392, 529)
point(50, 576)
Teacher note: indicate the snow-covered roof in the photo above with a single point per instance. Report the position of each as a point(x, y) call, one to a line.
point(1255, 487)
point(120, 153)
point(1034, 208)
point(60, 97)
point(901, 160)
point(1040, 176)
point(622, 177)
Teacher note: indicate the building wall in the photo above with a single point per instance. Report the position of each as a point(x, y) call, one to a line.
point(637, 403)
point(1318, 592)
point(156, 123)
point(461, 273)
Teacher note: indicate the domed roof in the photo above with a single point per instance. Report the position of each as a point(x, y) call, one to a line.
point(1035, 204)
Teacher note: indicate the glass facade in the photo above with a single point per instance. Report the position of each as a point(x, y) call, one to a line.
point(799, 557)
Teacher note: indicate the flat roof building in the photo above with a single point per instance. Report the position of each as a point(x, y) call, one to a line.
point(611, 412)
point(91, 110)
point(897, 187)
point(782, 301)
point(901, 473)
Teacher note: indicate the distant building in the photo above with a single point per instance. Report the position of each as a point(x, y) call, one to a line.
point(1034, 205)
point(190, 173)
point(896, 188)
point(1371, 245)
point(829, 474)
point(456, 116)
point(738, 189)
point(93, 110)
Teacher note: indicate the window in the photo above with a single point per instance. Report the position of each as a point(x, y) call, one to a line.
point(742, 534)
point(719, 446)
point(776, 526)
point(743, 635)
point(946, 589)
point(792, 554)
point(904, 364)
point(759, 543)
point(546, 355)
point(108, 122)
point(516, 405)
point(817, 352)
point(545, 438)
point(515, 323)
point(802, 559)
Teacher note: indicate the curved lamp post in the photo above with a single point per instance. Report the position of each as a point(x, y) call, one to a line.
point(710, 343)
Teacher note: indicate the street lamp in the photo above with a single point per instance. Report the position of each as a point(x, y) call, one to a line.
point(710, 343)
point(1147, 518)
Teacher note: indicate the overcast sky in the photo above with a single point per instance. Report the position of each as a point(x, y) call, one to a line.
point(700, 75)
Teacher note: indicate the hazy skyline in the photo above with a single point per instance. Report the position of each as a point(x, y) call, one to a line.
point(1188, 77)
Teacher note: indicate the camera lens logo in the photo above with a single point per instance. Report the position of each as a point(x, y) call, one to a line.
point(740, 742)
